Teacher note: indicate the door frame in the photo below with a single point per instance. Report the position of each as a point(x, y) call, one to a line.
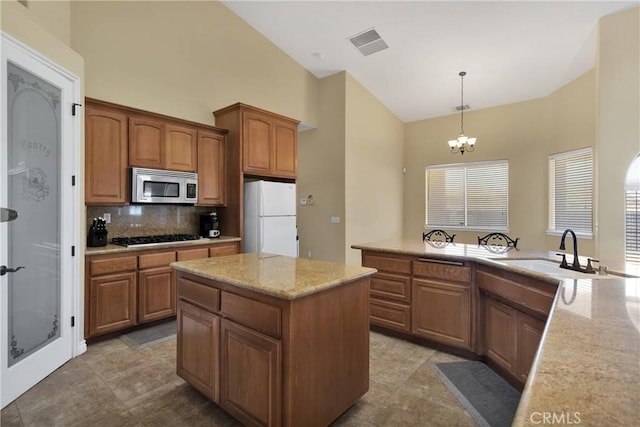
point(70, 166)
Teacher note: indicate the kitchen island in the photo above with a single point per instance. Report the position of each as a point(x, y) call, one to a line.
point(274, 340)
point(574, 352)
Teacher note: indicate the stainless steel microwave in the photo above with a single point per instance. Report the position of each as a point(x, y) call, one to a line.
point(162, 186)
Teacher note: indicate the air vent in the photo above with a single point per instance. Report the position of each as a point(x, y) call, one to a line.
point(368, 42)
point(461, 107)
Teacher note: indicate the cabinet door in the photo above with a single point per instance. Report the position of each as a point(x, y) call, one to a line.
point(442, 312)
point(211, 169)
point(198, 349)
point(112, 303)
point(500, 334)
point(180, 148)
point(146, 143)
point(156, 294)
point(529, 336)
point(251, 373)
point(256, 144)
point(105, 157)
point(285, 143)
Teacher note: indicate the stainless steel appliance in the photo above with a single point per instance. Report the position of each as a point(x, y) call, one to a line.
point(162, 186)
point(153, 240)
point(210, 225)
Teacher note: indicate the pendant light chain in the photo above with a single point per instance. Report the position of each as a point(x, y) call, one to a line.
point(462, 74)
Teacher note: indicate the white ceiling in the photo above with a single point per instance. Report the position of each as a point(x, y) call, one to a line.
point(511, 51)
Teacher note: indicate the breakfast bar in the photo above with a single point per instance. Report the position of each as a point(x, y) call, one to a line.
point(569, 340)
point(274, 340)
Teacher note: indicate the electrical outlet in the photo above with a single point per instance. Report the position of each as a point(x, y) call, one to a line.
point(107, 217)
point(309, 254)
point(335, 220)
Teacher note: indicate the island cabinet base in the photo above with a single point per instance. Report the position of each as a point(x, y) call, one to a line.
point(270, 361)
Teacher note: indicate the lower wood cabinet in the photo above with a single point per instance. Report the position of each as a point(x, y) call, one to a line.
point(251, 375)
point(156, 294)
point(442, 312)
point(511, 338)
point(122, 291)
point(530, 332)
point(389, 314)
point(112, 299)
point(500, 334)
point(197, 349)
point(277, 362)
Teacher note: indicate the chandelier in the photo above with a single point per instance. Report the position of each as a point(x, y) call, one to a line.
point(462, 143)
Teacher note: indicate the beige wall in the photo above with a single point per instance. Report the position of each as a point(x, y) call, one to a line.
point(524, 133)
point(186, 59)
point(44, 28)
point(618, 92)
point(321, 173)
point(373, 169)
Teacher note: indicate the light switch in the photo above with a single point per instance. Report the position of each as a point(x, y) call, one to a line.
point(335, 220)
point(303, 202)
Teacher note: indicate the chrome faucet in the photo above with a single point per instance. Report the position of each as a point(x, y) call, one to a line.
point(576, 262)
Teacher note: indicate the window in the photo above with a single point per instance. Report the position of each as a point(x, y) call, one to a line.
point(632, 213)
point(468, 196)
point(571, 192)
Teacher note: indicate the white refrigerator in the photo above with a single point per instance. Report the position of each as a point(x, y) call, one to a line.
point(270, 218)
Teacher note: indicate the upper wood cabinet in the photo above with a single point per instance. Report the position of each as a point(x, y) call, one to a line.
point(119, 137)
point(146, 143)
point(268, 141)
point(158, 145)
point(211, 169)
point(105, 156)
point(180, 148)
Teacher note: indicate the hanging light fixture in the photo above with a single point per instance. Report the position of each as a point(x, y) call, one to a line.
point(463, 143)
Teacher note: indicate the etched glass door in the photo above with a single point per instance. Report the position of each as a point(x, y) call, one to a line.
point(35, 279)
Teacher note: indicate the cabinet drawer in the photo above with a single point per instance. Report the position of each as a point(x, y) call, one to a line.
point(224, 249)
point(112, 265)
point(390, 315)
point(387, 263)
point(187, 254)
point(156, 260)
point(527, 296)
point(391, 286)
point(256, 315)
point(441, 269)
point(199, 294)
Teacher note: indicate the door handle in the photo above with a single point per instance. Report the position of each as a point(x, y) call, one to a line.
point(7, 215)
point(4, 270)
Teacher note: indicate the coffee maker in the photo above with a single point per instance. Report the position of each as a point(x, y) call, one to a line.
point(209, 225)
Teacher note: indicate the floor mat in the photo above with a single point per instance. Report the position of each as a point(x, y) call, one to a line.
point(152, 335)
point(490, 400)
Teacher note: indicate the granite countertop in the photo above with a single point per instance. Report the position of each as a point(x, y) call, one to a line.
point(587, 369)
point(113, 249)
point(280, 276)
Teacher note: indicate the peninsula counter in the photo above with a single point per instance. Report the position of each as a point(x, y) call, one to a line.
point(584, 370)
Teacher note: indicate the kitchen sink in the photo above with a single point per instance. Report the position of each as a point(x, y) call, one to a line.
point(553, 269)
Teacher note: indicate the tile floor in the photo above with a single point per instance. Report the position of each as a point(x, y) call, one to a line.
point(115, 385)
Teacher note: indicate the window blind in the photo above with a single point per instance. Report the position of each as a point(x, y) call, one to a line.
point(632, 212)
point(469, 195)
point(571, 191)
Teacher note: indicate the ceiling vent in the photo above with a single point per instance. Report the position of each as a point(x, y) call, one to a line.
point(368, 42)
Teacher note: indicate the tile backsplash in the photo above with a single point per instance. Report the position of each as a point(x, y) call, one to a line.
point(142, 220)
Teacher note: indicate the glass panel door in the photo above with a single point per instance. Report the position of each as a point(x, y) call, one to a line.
point(38, 274)
point(33, 181)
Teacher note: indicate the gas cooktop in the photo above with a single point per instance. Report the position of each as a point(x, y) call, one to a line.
point(153, 240)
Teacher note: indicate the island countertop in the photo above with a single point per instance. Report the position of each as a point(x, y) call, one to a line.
point(586, 370)
point(279, 276)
